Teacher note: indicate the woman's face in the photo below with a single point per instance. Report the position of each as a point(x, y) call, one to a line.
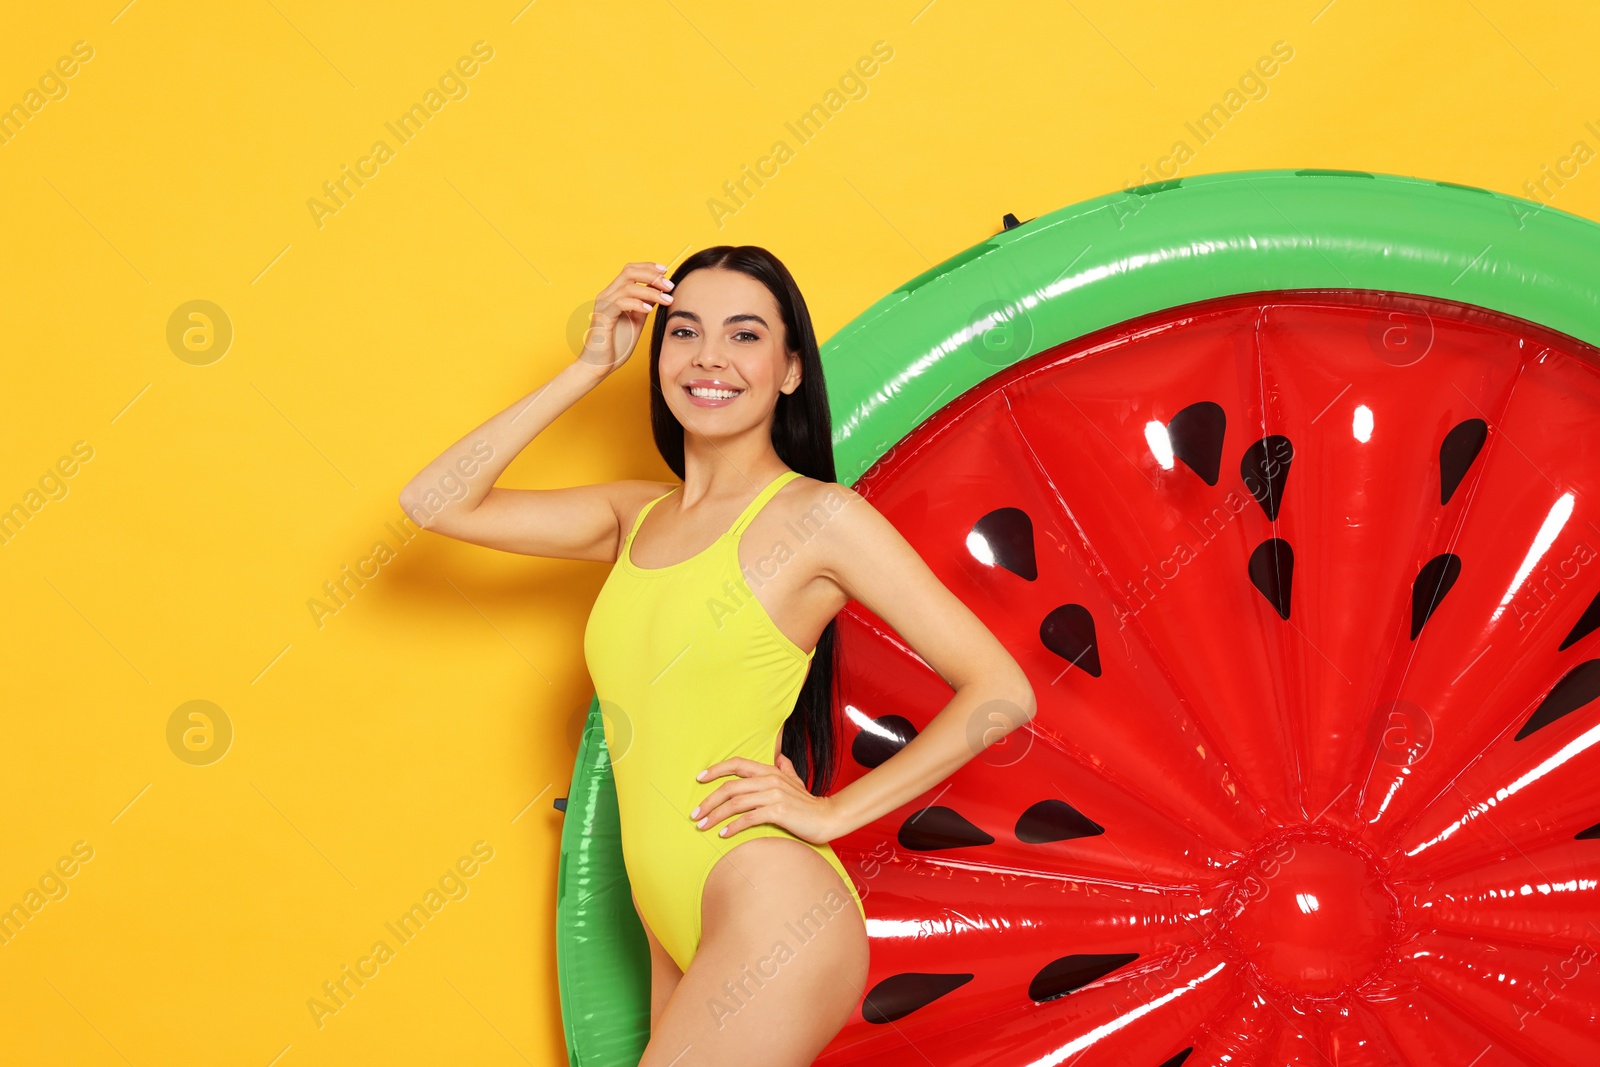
point(724, 334)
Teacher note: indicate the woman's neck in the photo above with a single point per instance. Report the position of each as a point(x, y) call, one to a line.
point(716, 471)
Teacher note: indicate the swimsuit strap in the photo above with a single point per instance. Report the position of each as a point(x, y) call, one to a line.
point(762, 497)
point(639, 518)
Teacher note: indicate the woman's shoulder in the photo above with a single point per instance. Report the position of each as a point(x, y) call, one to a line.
point(812, 492)
point(842, 527)
point(818, 507)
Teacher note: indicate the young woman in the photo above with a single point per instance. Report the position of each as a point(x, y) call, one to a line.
point(711, 649)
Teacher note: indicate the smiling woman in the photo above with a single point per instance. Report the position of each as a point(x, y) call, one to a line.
point(720, 727)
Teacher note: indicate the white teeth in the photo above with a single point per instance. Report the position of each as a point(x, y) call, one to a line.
point(714, 394)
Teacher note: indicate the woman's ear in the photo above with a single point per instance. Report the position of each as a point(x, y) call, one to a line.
point(791, 381)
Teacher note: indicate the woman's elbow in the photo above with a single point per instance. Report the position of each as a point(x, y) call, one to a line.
point(1013, 689)
point(1021, 693)
point(1029, 705)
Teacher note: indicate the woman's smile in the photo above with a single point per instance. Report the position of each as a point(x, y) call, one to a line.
point(710, 393)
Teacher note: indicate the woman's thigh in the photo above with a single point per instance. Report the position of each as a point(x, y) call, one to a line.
point(664, 972)
point(781, 966)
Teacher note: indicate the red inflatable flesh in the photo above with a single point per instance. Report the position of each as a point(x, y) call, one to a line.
point(1305, 583)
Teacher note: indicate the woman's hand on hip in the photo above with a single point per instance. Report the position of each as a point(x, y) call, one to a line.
point(764, 793)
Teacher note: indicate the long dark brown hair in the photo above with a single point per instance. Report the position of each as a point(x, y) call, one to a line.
point(802, 435)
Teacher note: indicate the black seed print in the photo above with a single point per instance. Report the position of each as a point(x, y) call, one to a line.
point(901, 994)
point(886, 735)
point(1461, 446)
point(1577, 687)
point(1272, 572)
point(1265, 470)
point(1433, 582)
point(1591, 834)
point(1054, 820)
point(1068, 631)
point(1177, 1061)
point(1070, 973)
point(1196, 434)
point(937, 827)
point(1586, 625)
point(1009, 534)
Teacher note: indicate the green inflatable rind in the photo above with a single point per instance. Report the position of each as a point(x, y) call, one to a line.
point(1120, 256)
point(602, 956)
point(1052, 280)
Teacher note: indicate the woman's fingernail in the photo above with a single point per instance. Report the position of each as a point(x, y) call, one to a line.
point(702, 822)
point(661, 266)
point(695, 814)
point(700, 777)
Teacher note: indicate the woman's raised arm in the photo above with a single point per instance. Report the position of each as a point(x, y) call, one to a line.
point(455, 494)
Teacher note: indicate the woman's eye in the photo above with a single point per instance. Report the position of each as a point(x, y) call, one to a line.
point(749, 334)
point(682, 331)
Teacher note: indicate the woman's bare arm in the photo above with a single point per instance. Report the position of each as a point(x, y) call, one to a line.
point(874, 564)
point(455, 495)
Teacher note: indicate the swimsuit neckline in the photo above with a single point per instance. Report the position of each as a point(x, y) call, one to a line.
point(626, 557)
point(627, 551)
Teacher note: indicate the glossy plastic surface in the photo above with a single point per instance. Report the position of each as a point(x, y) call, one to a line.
point(1306, 584)
point(602, 956)
point(1094, 264)
point(1311, 780)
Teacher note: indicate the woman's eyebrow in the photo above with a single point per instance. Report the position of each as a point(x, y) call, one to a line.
point(729, 321)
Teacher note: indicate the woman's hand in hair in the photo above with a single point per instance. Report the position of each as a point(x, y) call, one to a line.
point(617, 322)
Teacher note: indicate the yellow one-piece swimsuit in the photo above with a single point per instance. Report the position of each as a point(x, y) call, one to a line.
point(690, 670)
